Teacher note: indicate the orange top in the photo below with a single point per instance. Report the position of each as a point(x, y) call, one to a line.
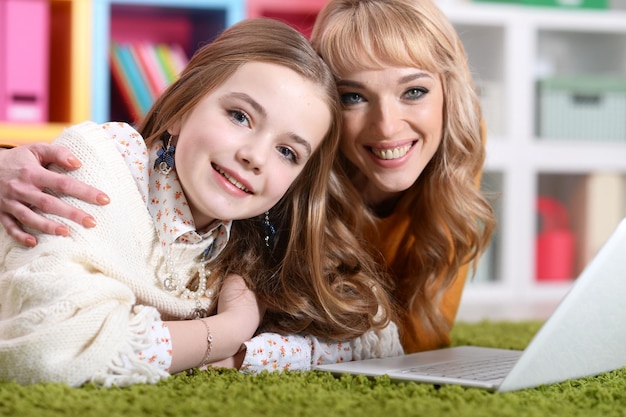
point(414, 337)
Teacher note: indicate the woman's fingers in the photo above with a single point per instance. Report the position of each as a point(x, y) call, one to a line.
point(55, 154)
point(23, 179)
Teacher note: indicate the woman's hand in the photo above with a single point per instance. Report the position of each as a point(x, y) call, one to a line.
point(23, 179)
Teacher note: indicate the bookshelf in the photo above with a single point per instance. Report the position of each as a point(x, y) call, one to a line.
point(70, 88)
point(511, 49)
point(189, 23)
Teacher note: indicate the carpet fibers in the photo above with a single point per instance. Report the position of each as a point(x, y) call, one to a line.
point(228, 393)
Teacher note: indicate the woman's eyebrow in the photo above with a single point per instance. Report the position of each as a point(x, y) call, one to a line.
point(413, 77)
point(401, 80)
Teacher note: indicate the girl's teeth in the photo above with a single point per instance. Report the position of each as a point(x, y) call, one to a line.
point(233, 181)
point(394, 153)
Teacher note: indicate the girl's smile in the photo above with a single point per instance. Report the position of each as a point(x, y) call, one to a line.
point(232, 180)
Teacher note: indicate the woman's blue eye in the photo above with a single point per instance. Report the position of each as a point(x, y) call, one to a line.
point(415, 93)
point(288, 153)
point(351, 98)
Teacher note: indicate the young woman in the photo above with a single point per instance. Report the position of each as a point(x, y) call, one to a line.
point(252, 124)
point(412, 146)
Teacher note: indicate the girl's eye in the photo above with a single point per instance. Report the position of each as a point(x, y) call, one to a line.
point(351, 98)
point(288, 154)
point(415, 93)
point(240, 117)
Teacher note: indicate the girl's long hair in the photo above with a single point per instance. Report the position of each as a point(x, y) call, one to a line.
point(313, 277)
point(450, 220)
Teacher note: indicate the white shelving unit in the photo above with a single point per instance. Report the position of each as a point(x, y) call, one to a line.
point(510, 48)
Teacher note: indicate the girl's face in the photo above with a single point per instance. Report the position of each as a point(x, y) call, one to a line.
point(393, 122)
point(243, 145)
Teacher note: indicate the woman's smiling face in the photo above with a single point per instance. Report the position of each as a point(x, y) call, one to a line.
point(393, 123)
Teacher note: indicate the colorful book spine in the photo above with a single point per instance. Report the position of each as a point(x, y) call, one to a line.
point(179, 58)
point(150, 66)
point(121, 78)
point(165, 58)
point(144, 70)
point(135, 77)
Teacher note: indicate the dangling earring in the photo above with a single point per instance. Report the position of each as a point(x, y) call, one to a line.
point(165, 158)
point(269, 229)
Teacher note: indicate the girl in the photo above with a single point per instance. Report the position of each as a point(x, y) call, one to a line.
point(251, 124)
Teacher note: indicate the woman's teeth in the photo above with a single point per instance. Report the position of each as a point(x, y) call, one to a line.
point(233, 181)
point(393, 153)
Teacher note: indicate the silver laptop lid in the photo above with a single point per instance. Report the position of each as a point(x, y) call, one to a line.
point(586, 334)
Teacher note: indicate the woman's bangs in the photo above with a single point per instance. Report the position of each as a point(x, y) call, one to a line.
point(370, 48)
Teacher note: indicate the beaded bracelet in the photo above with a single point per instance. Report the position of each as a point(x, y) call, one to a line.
point(209, 345)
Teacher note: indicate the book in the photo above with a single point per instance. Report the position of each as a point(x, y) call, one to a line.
point(600, 204)
point(143, 71)
point(172, 59)
point(135, 76)
point(120, 77)
point(149, 63)
point(179, 58)
point(168, 64)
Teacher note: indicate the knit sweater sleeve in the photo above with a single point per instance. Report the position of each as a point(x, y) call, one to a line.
point(66, 311)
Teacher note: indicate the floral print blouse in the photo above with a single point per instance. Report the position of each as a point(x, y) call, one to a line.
point(164, 198)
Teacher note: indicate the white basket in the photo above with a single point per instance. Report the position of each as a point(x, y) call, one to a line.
point(582, 108)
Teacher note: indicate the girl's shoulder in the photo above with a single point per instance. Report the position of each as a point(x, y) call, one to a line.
point(124, 134)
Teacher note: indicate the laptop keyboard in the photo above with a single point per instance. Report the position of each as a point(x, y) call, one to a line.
point(478, 370)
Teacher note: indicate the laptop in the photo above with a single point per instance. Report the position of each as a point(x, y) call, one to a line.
point(585, 336)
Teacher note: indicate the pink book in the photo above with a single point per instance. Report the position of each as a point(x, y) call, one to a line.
point(25, 28)
point(151, 67)
point(179, 58)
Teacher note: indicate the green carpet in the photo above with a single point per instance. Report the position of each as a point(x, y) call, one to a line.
point(228, 393)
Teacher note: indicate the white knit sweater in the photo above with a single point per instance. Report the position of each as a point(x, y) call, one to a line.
point(73, 308)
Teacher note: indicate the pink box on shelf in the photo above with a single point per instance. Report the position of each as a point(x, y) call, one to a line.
point(300, 14)
point(24, 60)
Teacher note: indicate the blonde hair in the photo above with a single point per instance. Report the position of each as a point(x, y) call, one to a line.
point(303, 281)
point(450, 220)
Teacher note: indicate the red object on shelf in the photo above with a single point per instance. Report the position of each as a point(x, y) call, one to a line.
point(555, 242)
point(300, 14)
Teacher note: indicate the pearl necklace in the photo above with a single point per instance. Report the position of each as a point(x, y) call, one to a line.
point(174, 284)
